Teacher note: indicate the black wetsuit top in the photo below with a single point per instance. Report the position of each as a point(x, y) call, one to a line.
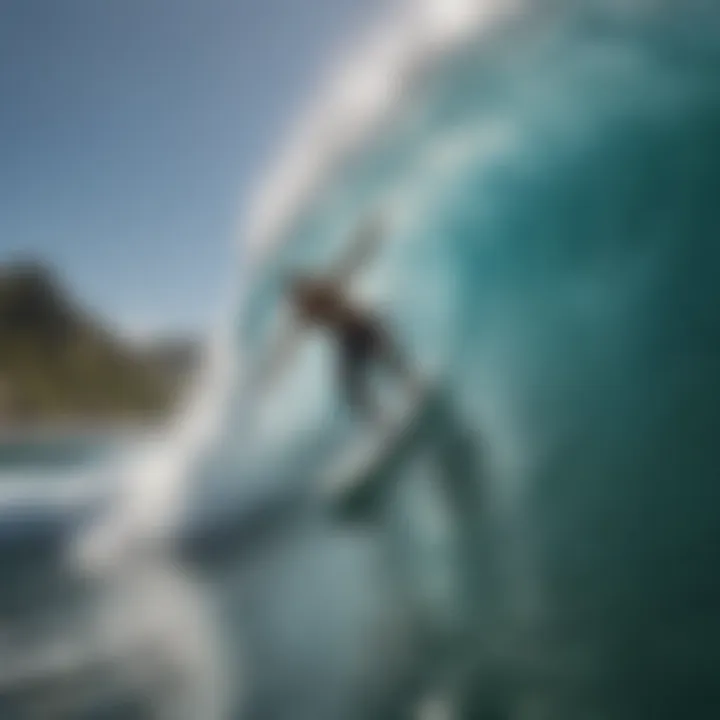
point(363, 340)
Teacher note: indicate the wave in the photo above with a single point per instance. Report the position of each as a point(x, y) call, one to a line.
point(550, 180)
point(358, 97)
point(376, 137)
point(551, 250)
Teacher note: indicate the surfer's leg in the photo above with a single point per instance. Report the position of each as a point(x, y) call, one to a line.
point(395, 361)
point(354, 383)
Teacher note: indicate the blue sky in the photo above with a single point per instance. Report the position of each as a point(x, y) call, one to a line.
point(130, 130)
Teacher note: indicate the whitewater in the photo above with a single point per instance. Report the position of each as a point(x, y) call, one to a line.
point(546, 546)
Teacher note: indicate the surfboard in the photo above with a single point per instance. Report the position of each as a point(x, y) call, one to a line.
point(354, 484)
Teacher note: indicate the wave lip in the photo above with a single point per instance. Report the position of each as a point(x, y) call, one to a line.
point(357, 98)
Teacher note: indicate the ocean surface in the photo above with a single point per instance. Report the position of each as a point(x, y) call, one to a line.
point(546, 543)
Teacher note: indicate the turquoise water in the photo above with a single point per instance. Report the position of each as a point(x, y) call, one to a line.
point(548, 547)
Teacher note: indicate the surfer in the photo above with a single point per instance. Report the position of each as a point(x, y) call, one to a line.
point(362, 338)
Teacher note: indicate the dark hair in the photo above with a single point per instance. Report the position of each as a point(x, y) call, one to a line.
point(315, 294)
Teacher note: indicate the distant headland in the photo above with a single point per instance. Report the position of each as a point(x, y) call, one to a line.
point(61, 365)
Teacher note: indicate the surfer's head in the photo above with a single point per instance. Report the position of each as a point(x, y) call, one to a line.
point(316, 300)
